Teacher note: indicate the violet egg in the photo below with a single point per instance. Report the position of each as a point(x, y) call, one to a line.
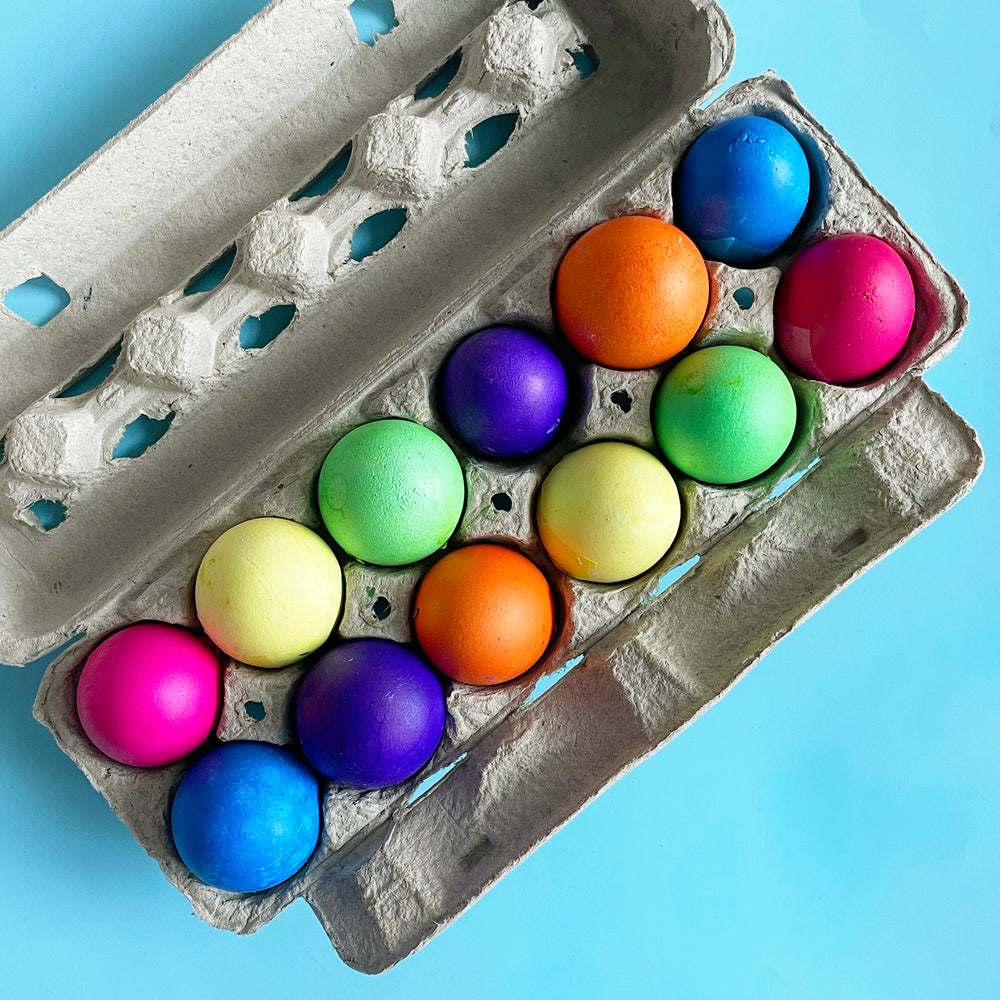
point(369, 714)
point(504, 392)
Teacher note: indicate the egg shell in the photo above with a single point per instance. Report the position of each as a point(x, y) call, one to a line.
point(724, 414)
point(631, 292)
point(268, 591)
point(484, 614)
point(391, 492)
point(741, 189)
point(844, 308)
point(608, 512)
point(369, 714)
point(150, 694)
point(504, 392)
point(246, 816)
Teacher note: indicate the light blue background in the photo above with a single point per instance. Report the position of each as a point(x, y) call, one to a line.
point(830, 829)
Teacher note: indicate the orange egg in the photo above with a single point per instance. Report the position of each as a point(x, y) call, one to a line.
point(484, 614)
point(631, 292)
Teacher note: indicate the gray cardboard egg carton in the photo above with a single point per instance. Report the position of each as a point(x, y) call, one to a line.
point(632, 663)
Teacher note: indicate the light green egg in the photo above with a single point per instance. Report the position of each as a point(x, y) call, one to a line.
point(391, 492)
point(724, 414)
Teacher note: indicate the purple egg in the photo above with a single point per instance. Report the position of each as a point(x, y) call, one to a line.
point(504, 392)
point(369, 714)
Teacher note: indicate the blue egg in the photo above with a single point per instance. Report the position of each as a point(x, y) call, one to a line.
point(742, 189)
point(246, 816)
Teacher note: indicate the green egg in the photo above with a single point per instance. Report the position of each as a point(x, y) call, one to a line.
point(391, 492)
point(724, 414)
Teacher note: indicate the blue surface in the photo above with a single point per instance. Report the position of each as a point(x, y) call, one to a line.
point(828, 830)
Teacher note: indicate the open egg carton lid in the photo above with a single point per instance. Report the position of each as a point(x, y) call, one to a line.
point(237, 156)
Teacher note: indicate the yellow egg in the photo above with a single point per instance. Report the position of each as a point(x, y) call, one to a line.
point(608, 512)
point(268, 592)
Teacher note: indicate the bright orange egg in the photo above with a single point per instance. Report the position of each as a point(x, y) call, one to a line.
point(484, 614)
point(631, 292)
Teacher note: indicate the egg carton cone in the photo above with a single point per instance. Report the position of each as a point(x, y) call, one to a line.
point(270, 160)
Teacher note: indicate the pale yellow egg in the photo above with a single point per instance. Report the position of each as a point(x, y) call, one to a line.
point(268, 592)
point(608, 512)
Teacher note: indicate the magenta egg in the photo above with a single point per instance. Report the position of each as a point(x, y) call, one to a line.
point(844, 308)
point(150, 694)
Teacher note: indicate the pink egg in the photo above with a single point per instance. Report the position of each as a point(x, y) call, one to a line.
point(844, 308)
point(150, 694)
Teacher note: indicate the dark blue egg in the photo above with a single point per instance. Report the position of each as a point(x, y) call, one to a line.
point(246, 816)
point(370, 713)
point(741, 190)
point(504, 392)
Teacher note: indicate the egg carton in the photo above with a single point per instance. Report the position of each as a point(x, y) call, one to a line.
point(212, 166)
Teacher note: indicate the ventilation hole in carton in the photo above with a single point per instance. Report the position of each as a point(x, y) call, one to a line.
point(488, 137)
point(783, 486)
point(38, 300)
point(3, 450)
point(382, 608)
point(48, 513)
point(501, 501)
point(258, 331)
point(372, 19)
point(744, 297)
point(437, 83)
point(326, 180)
point(141, 434)
point(671, 577)
point(255, 710)
point(92, 377)
point(376, 231)
point(622, 400)
point(851, 542)
point(433, 779)
point(211, 276)
point(585, 60)
point(534, 4)
point(547, 681)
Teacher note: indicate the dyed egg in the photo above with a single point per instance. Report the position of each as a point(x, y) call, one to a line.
point(369, 714)
point(246, 816)
point(608, 512)
point(268, 591)
point(631, 292)
point(724, 414)
point(504, 392)
point(742, 188)
point(150, 694)
point(844, 308)
point(484, 614)
point(391, 492)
